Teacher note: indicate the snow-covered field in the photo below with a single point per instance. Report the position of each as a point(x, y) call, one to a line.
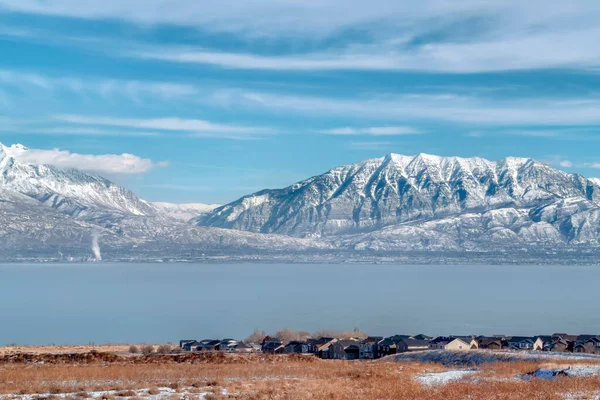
point(478, 357)
point(442, 378)
point(160, 393)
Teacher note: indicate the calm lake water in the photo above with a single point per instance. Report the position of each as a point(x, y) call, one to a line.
point(102, 303)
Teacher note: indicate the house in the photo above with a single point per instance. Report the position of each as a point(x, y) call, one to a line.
point(559, 345)
point(294, 347)
point(543, 343)
point(242, 347)
point(458, 343)
point(489, 343)
point(183, 343)
point(368, 347)
point(584, 347)
point(272, 346)
point(203, 345)
point(439, 343)
point(404, 345)
point(345, 350)
point(520, 343)
point(227, 345)
point(596, 342)
point(386, 347)
point(319, 347)
point(187, 345)
point(590, 346)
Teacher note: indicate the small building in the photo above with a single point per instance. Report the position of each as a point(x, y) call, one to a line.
point(368, 347)
point(489, 343)
point(273, 346)
point(406, 345)
point(386, 347)
point(294, 347)
point(520, 343)
point(345, 350)
point(242, 347)
point(559, 345)
point(458, 344)
point(542, 343)
point(439, 343)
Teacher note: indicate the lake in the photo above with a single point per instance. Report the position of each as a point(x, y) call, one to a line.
point(116, 303)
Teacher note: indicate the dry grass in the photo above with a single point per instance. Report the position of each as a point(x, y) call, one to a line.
point(284, 377)
point(105, 348)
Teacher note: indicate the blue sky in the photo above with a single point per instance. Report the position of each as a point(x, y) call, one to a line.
point(216, 99)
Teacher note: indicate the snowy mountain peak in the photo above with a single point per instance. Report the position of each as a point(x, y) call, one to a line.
point(71, 192)
point(399, 189)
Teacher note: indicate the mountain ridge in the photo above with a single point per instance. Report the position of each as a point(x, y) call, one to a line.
point(393, 190)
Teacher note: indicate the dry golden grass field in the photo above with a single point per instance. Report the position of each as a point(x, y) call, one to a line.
point(111, 376)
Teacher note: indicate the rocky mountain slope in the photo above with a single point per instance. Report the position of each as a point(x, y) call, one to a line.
point(46, 211)
point(426, 202)
point(184, 212)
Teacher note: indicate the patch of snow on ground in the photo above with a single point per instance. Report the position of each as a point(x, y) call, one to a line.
point(478, 357)
point(442, 378)
point(163, 394)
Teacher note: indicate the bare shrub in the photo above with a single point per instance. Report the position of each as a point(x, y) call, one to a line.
point(147, 349)
point(289, 335)
point(133, 349)
point(163, 349)
point(256, 337)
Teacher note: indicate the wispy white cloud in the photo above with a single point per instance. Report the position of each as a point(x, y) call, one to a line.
point(436, 35)
point(566, 164)
point(103, 163)
point(373, 131)
point(192, 127)
point(34, 129)
point(106, 88)
point(369, 145)
point(573, 49)
point(544, 111)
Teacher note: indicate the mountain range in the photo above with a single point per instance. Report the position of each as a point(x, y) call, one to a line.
point(426, 202)
point(383, 207)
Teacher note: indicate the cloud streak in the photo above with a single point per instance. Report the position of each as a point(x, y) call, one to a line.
point(460, 109)
point(192, 127)
point(373, 131)
point(103, 163)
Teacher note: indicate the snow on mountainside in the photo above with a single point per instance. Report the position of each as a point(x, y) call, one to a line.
point(46, 212)
point(184, 212)
point(424, 201)
point(596, 181)
point(70, 192)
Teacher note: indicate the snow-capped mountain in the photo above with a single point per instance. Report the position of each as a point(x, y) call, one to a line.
point(596, 181)
point(46, 212)
point(423, 201)
point(72, 192)
point(184, 212)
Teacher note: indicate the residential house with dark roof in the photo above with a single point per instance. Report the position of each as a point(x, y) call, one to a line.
point(242, 347)
point(520, 342)
point(405, 345)
point(543, 343)
point(368, 347)
point(386, 347)
point(439, 343)
point(273, 346)
point(294, 347)
point(489, 343)
point(345, 350)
